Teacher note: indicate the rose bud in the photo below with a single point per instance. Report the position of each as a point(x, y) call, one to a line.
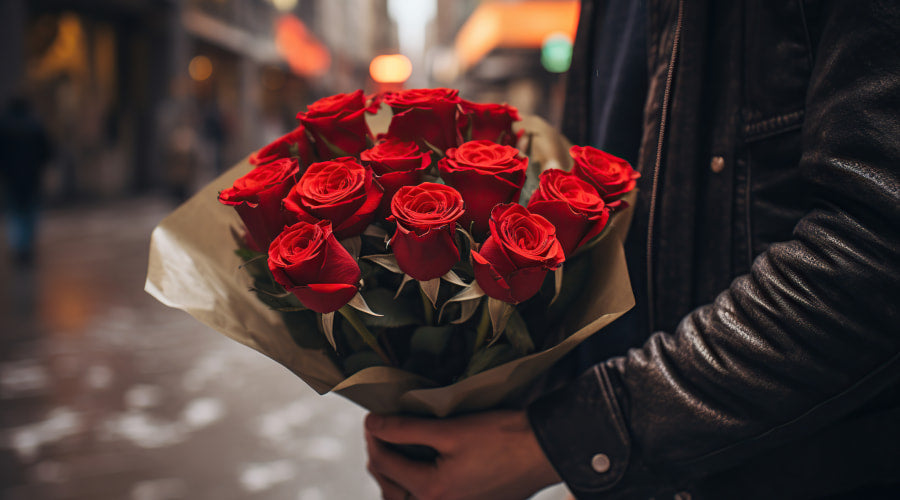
point(610, 175)
point(486, 174)
point(395, 163)
point(426, 218)
point(293, 144)
point(308, 261)
point(491, 122)
point(338, 124)
point(257, 198)
point(572, 205)
point(341, 191)
point(512, 263)
point(425, 115)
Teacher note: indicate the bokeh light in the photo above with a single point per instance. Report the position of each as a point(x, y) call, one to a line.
point(390, 68)
point(200, 68)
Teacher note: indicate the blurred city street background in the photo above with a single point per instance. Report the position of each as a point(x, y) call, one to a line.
point(107, 394)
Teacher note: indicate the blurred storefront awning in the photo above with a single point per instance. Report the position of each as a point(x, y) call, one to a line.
point(518, 25)
point(292, 42)
point(230, 37)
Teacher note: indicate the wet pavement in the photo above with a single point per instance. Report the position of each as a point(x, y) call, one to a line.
point(107, 394)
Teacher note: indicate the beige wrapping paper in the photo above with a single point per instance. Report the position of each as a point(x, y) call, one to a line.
point(193, 267)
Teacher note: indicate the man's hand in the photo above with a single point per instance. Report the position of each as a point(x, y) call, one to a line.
point(491, 455)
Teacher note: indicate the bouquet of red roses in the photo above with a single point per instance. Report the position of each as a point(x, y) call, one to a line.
point(412, 251)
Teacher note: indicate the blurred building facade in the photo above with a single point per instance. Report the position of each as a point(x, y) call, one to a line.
point(150, 94)
point(163, 94)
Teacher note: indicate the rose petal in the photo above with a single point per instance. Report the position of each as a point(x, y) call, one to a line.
point(325, 297)
point(428, 256)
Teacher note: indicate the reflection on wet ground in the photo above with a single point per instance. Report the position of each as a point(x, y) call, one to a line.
point(107, 394)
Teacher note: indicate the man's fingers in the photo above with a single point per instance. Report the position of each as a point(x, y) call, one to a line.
point(389, 489)
point(410, 430)
point(407, 475)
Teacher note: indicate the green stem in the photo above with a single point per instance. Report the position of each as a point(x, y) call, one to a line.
point(427, 306)
point(484, 324)
point(350, 315)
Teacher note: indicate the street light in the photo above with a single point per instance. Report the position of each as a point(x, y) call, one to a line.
point(200, 68)
point(390, 68)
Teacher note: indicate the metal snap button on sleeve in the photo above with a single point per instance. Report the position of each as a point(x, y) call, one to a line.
point(600, 463)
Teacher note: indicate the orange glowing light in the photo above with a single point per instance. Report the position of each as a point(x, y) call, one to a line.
point(200, 68)
point(393, 68)
point(523, 24)
point(303, 52)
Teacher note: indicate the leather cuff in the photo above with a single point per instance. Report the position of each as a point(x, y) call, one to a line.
point(581, 430)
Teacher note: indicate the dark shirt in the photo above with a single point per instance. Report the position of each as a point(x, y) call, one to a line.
point(618, 91)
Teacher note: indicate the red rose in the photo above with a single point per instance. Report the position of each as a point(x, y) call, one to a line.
point(426, 218)
point(396, 163)
point(425, 115)
point(307, 260)
point(490, 122)
point(512, 263)
point(338, 124)
point(610, 175)
point(257, 198)
point(572, 205)
point(341, 191)
point(486, 174)
point(294, 144)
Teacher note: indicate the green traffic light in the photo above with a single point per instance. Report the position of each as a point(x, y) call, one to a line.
point(556, 53)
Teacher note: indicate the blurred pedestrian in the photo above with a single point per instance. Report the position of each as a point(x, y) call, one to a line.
point(24, 150)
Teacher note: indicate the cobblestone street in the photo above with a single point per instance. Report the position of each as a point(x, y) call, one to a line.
point(107, 394)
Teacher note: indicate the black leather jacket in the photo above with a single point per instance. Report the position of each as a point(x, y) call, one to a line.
point(767, 250)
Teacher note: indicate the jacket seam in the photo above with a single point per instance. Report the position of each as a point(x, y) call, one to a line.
point(618, 419)
point(748, 205)
point(762, 129)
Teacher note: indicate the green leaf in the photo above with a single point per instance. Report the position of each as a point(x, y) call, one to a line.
point(517, 334)
point(248, 255)
point(431, 339)
point(406, 279)
point(557, 282)
point(431, 288)
point(338, 152)
point(278, 299)
point(304, 331)
point(434, 148)
point(326, 321)
point(466, 310)
point(500, 312)
point(454, 278)
point(360, 360)
point(395, 313)
point(583, 249)
point(374, 231)
point(353, 245)
point(532, 181)
point(490, 357)
point(387, 261)
point(359, 303)
point(470, 293)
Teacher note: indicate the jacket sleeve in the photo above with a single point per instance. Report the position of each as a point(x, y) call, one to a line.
point(809, 335)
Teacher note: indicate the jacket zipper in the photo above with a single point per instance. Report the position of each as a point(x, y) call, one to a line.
point(664, 112)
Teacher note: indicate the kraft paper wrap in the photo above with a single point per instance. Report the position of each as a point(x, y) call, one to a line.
point(193, 267)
